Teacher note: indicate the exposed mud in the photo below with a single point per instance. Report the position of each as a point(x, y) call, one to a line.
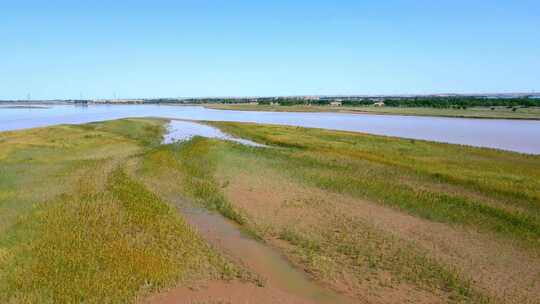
point(225, 293)
point(275, 271)
point(278, 278)
point(279, 281)
point(501, 269)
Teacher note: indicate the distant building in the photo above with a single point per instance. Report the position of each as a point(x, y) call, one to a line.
point(379, 104)
point(335, 103)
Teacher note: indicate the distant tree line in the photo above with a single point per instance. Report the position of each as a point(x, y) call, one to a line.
point(294, 101)
point(461, 102)
point(431, 102)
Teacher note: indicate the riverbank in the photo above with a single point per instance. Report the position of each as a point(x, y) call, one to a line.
point(103, 212)
point(477, 112)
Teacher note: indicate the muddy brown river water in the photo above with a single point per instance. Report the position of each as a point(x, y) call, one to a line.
point(513, 135)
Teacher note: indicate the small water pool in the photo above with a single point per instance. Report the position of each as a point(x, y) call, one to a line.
point(182, 130)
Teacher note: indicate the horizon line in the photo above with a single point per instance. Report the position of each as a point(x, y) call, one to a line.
point(445, 94)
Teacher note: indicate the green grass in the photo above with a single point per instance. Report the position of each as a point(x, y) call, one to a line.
point(196, 174)
point(474, 112)
point(486, 189)
point(76, 228)
point(107, 247)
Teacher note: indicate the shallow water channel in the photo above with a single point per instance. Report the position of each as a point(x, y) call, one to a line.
point(260, 258)
point(182, 130)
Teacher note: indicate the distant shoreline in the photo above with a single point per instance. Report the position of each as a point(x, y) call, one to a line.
point(474, 113)
point(19, 106)
point(521, 113)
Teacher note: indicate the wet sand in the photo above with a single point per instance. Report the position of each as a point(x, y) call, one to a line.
point(281, 282)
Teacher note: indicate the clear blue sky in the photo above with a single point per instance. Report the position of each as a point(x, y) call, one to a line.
point(60, 49)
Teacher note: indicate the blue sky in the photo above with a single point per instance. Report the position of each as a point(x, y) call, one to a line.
point(65, 49)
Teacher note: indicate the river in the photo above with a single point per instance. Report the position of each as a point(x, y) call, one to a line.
point(512, 135)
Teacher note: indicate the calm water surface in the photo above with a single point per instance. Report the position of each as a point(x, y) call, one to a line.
point(514, 135)
point(181, 130)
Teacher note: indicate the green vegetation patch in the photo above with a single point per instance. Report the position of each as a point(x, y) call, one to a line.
point(107, 247)
point(487, 189)
point(76, 228)
point(146, 132)
point(197, 164)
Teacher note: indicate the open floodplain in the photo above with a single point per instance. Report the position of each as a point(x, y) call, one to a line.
point(106, 213)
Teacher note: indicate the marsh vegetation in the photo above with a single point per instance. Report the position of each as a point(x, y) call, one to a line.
point(76, 228)
point(93, 213)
